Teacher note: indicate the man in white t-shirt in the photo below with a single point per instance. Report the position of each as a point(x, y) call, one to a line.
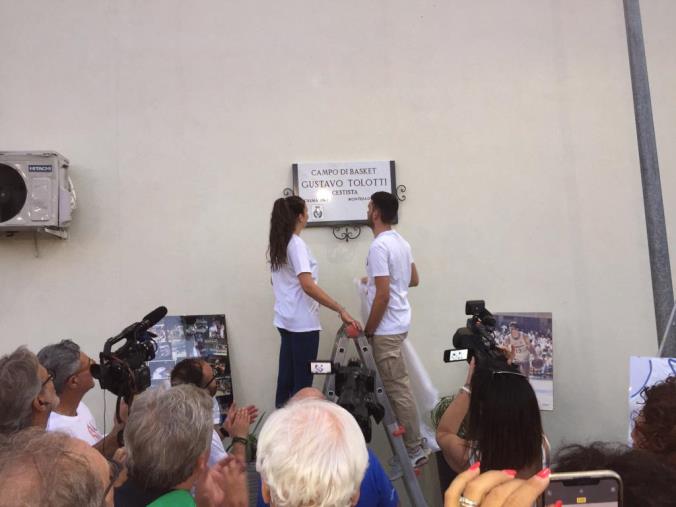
point(391, 271)
point(72, 380)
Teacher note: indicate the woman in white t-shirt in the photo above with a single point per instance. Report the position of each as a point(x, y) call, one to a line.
point(297, 297)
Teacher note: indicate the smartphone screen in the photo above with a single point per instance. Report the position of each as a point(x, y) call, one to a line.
point(320, 367)
point(453, 355)
point(584, 490)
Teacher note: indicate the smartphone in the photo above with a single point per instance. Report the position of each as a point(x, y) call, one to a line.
point(321, 367)
point(453, 355)
point(598, 488)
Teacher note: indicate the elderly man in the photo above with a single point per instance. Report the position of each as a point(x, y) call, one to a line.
point(40, 468)
point(198, 372)
point(72, 380)
point(27, 394)
point(167, 438)
point(376, 489)
point(328, 450)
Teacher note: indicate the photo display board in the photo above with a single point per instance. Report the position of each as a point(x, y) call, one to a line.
point(528, 338)
point(179, 337)
point(337, 193)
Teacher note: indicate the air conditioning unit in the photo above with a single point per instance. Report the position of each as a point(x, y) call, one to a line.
point(35, 192)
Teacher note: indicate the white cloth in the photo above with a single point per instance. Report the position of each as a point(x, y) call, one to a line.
point(82, 426)
point(294, 310)
point(390, 255)
point(217, 452)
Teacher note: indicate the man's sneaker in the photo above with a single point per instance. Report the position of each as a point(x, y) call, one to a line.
point(395, 472)
point(418, 456)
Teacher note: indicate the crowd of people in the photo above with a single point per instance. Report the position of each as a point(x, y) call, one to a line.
point(164, 449)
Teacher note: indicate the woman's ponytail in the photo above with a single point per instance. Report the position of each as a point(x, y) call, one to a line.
point(283, 218)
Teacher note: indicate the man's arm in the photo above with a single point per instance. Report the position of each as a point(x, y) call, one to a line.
point(380, 302)
point(415, 280)
point(109, 444)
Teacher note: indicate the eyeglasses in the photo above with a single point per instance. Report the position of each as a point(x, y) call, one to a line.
point(50, 376)
point(115, 471)
point(218, 372)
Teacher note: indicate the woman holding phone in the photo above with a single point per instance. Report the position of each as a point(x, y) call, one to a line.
point(297, 297)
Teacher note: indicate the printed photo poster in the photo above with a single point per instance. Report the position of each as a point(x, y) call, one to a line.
point(645, 372)
point(528, 336)
point(183, 336)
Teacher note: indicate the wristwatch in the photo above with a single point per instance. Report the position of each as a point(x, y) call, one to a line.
point(240, 440)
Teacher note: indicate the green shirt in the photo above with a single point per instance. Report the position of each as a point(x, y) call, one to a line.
point(177, 498)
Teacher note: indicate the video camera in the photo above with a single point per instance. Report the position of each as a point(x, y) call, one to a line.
point(124, 372)
point(477, 339)
point(355, 389)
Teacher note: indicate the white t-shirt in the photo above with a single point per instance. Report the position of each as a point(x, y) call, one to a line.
point(217, 452)
point(294, 310)
point(82, 426)
point(390, 255)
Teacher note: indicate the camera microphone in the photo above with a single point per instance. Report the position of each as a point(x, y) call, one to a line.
point(153, 317)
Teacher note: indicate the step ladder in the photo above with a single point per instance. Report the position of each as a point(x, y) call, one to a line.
point(393, 429)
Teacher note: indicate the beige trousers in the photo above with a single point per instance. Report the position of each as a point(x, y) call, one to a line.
point(393, 372)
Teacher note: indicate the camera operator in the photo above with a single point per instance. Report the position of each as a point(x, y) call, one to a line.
point(53, 469)
point(200, 373)
point(72, 380)
point(504, 430)
point(27, 394)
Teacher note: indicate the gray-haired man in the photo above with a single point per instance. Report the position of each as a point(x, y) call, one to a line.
point(41, 468)
point(72, 380)
point(167, 438)
point(27, 394)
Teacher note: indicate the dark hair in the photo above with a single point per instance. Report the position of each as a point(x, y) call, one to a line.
point(656, 426)
point(504, 418)
point(647, 482)
point(387, 204)
point(283, 220)
point(188, 371)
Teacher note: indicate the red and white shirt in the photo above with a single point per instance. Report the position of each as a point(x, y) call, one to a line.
point(82, 426)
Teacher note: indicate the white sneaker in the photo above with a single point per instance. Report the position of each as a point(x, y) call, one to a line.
point(419, 456)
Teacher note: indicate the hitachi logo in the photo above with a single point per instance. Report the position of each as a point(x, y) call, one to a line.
point(39, 168)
